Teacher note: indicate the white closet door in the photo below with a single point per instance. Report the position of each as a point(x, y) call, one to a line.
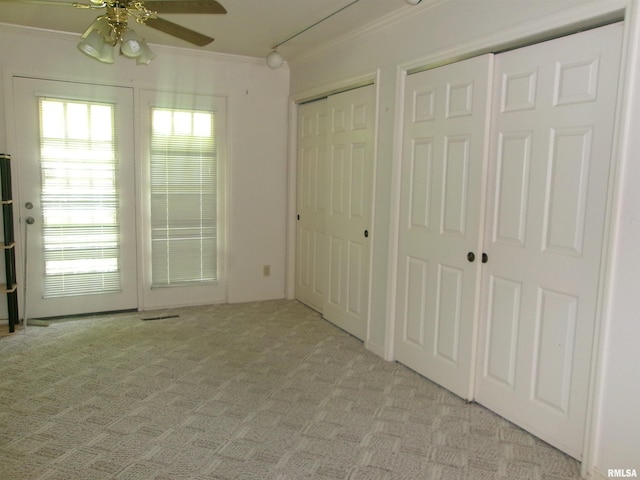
point(350, 150)
point(311, 271)
point(553, 115)
point(444, 153)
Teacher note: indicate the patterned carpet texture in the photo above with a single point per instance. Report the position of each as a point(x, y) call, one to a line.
point(257, 391)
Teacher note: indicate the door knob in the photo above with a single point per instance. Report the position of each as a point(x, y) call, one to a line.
point(471, 256)
point(366, 233)
point(485, 258)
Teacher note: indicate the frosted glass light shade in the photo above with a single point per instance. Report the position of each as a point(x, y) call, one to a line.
point(130, 44)
point(274, 60)
point(146, 55)
point(106, 53)
point(92, 44)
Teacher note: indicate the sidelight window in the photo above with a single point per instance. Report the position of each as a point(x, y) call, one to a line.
point(183, 176)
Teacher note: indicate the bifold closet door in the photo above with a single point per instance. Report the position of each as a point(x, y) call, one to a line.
point(350, 154)
point(335, 183)
point(311, 271)
point(439, 256)
point(553, 115)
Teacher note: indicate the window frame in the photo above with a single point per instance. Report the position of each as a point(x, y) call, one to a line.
point(194, 293)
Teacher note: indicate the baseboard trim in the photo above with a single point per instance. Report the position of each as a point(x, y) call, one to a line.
point(372, 347)
point(596, 475)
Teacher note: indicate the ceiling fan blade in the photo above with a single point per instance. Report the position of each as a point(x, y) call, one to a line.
point(179, 31)
point(187, 6)
point(54, 3)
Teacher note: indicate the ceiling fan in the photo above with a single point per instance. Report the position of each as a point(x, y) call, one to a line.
point(112, 27)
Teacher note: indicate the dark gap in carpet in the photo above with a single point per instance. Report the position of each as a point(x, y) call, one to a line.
point(161, 318)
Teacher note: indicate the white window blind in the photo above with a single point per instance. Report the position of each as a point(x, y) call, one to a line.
point(81, 235)
point(183, 192)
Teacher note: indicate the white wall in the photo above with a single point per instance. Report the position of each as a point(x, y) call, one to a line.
point(257, 111)
point(438, 31)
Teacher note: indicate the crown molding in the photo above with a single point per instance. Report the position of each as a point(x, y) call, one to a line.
point(370, 27)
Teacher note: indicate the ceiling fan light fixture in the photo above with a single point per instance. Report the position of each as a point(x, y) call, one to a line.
point(92, 44)
point(146, 55)
point(110, 30)
point(130, 44)
point(274, 60)
point(106, 53)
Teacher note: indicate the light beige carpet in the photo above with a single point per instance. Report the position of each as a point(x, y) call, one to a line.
point(258, 391)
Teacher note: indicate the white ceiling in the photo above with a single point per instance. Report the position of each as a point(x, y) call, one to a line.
point(250, 28)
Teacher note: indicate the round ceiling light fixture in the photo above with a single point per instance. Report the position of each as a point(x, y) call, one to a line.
point(274, 60)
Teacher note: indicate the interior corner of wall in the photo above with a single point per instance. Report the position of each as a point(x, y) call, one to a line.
point(377, 349)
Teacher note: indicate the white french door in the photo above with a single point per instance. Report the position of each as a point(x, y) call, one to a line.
point(445, 127)
point(553, 116)
point(350, 142)
point(76, 173)
point(311, 271)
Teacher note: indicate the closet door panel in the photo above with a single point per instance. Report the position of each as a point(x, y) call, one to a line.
point(311, 248)
point(350, 151)
point(445, 128)
point(552, 124)
point(504, 297)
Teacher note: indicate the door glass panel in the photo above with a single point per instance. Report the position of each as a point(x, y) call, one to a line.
point(81, 232)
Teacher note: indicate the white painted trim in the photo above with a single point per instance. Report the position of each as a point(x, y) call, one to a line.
point(372, 212)
point(373, 26)
point(11, 141)
point(565, 22)
point(140, 194)
point(376, 349)
point(623, 134)
point(394, 216)
point(292, 203)
point(325, 90)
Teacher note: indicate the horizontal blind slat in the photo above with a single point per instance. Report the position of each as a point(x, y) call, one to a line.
point(183, 185)
point(80, 198)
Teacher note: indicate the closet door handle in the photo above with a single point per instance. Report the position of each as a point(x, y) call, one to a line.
point(485, 258)
point(471, 256)
point(366, 234)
